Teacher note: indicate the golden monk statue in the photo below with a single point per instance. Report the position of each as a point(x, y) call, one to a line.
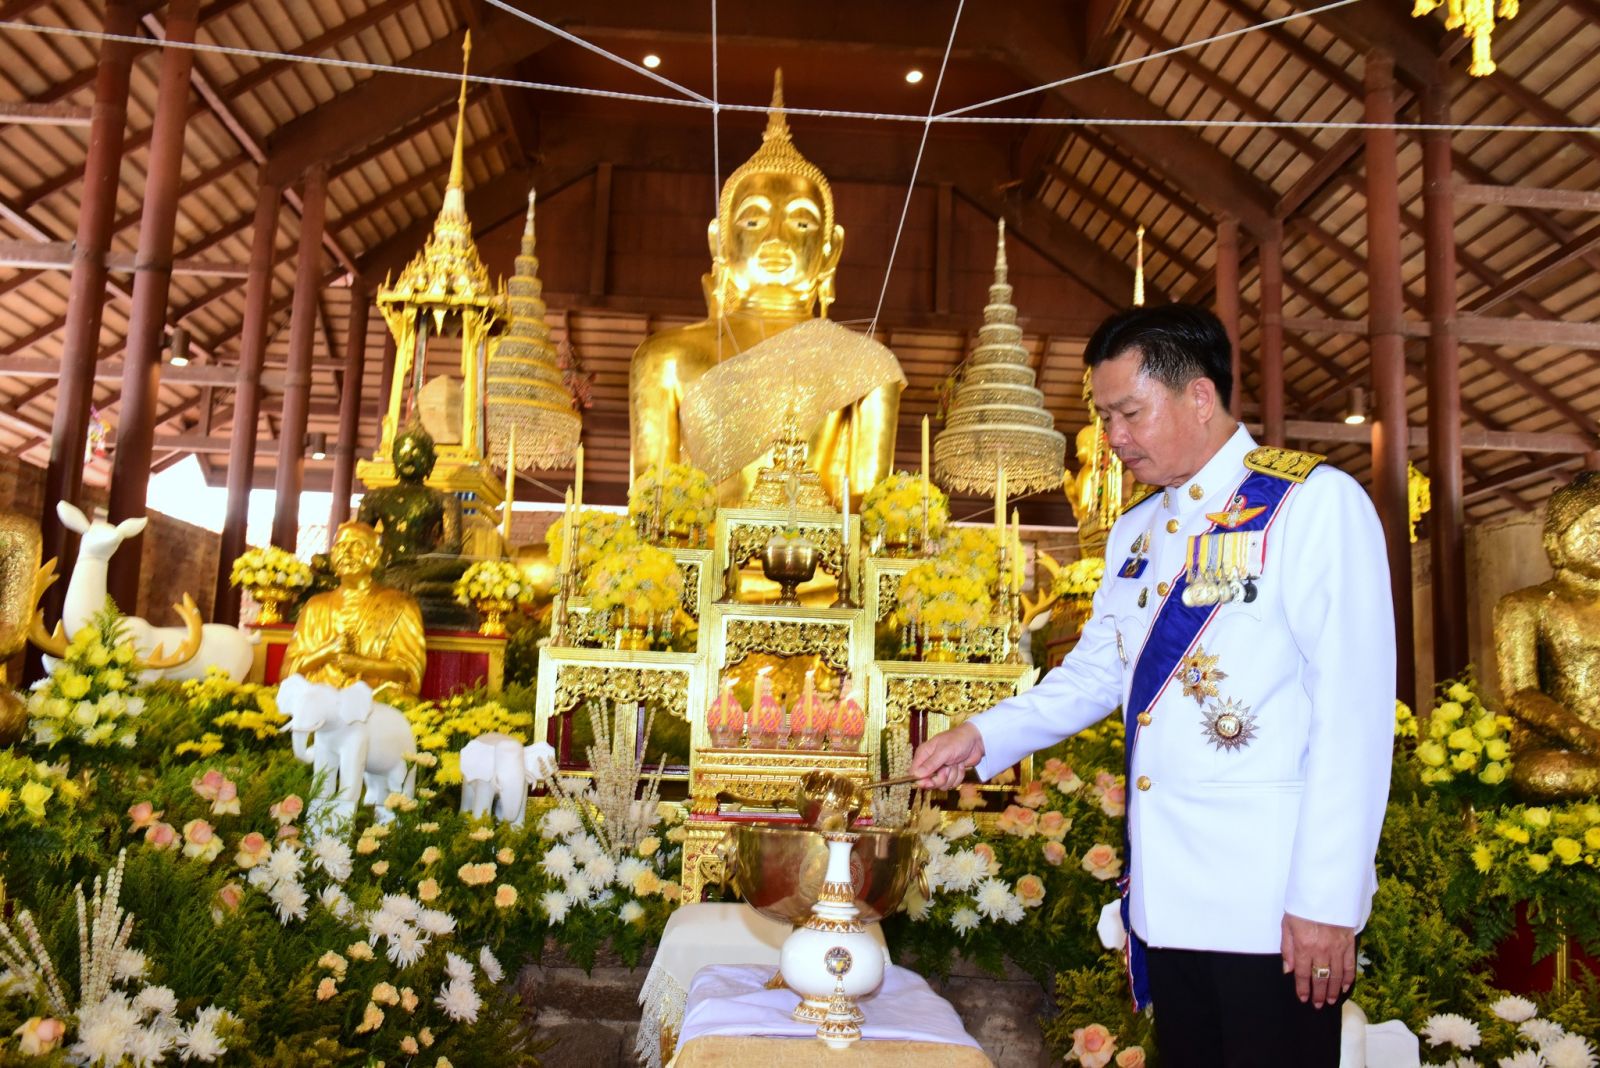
point(362, 630)
point(1547, 640)
point(412, 517)
point(775, 247)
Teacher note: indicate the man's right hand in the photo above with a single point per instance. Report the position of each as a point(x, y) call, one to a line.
point(941, 762)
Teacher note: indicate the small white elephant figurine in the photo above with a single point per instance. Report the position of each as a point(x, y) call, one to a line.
point(497, 768)
point(358, 740)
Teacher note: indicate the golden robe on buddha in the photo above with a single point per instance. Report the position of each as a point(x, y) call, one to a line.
point(362, 630)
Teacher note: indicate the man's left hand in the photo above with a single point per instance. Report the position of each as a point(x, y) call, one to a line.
point(1322, 957)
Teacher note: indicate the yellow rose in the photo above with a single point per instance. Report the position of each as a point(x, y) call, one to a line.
point(648, 846)
point(1449, 712)
point(1539, 863)
point(1464, 761)
point(1465, 741)
point(1591, 838)
point(1493, 775)
point(1485, 727)
point(33, 795)
point(1496, 749)
point(1567, 849)
point(1537, 817)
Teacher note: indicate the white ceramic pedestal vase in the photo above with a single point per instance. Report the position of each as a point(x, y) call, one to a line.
point(809, 963)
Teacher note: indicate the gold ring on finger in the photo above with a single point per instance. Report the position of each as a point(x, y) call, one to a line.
point(1321, 973)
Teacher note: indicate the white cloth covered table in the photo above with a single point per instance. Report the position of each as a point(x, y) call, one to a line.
point(698, 935)
point(732, 999)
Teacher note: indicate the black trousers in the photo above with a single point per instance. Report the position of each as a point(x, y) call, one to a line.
point(1236, 1010)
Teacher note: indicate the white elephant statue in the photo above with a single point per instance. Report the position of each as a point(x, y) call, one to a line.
point(499, 769)
point(351, 740)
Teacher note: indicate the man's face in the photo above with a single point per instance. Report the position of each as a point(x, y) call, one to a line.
point(775, 236)
point(354, 554)
point(1157, 432)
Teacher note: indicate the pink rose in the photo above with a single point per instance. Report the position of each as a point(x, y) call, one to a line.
point(253, 849)
point(1030, 891)
point(1114, 799)
point(1102, 862)
point(228, 899)
point(1054, 853)
point(1103, 780)
point(1132, 1057)
point(289, 833)
point(288, 810)
point(201, 841)
point(141, 814)
point(1024, 821)
point(40, 1036)
point(1054, 825)
point(217, 788)
point(985, 851)
point(970, 798)
point(1032, 795)
point(161, 835)
point(1060, 775)
point(1093, 1046)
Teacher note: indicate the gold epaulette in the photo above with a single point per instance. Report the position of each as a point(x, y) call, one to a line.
point(1141, 493)
point(1284, 463)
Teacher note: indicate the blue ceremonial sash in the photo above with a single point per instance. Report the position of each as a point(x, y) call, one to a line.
point(1173, 633)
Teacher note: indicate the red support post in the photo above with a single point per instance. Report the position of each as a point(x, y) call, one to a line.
point(1228, 299)
point(1385, 315)
point(1272, 418)
point(349, 443)
point(297, 383)
point(152, 280)
point(247, 397)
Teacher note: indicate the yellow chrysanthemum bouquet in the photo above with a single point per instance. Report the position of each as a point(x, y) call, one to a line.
point(1468, 747)
point(1081, 578)
point(89, 697)
point(639, 583)
point(494, 587)
point(688, 501)
point(272, 576)
point(891, 511)
point(945, 597)
point(598, 534)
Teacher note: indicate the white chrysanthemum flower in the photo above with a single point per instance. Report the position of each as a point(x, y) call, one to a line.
point(382, 924)
point(155, 1001)
point(963, 870)
point(578, 887)
point(401, 907)
point(558, 862)
point(936, 845)
point(629, 869)
point(200, 1042)
point(964, 919)
point(105, 1030)
point(558, 823)
point(1014, 910)
point(131, 964)
point(1570, 1051)
point(630, 912)
point(919, 908)
point(1515, 1009)
point(959, 828)
point(149, 1045)
point(435, 922)
point(284, 863)
point(260, 877)
point(585, 848)
point(406, 947)
point(490, 965)
point(290, 899)
point(457, 967)
point(333, 856)
point(555, 905)
point(993, 898)
point(334, 900)
point(600, 871)
point(459, 1001)
point(1541, 1032)
point(1452, 1028)
point(213, 1015)
point(1526, 1059)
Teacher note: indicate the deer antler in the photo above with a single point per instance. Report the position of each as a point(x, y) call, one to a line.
point(1046, 595)
point(54, 644)
point(158, 660)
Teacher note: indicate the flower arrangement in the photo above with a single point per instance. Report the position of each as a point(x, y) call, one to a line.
point(974, 548)
point(1081, 578)
point(891, 511)
point(598, 534)
point(246, 712)
point(494, 580)
point(1514, 1033)
point(1468, 747)
point(945, 594)
point(272, 576)
point(638, 579)
point(89, 697)
point(28, 788)
point(688, 497)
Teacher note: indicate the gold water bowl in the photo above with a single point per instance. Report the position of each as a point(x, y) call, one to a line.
point(789, 562)
point(778, 868)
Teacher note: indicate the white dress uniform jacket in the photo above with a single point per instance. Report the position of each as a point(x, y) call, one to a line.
point(1225, 839)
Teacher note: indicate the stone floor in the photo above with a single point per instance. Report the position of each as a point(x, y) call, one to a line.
point(592, 1018)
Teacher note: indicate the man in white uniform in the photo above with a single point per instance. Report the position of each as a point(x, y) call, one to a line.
point(1246, 629)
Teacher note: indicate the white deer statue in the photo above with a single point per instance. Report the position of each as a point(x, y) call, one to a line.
point(220, 645)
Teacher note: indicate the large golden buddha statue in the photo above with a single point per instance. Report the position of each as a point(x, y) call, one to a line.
point(362, 630)
point(775, 247)
point(1547, 640)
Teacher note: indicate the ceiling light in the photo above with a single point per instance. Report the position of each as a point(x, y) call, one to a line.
point(652, 61)
point(913, 76)
point(178, 355)
point(1356, 412)
point(318, 442)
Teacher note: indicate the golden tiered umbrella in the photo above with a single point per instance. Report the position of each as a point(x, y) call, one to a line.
point(997, 418)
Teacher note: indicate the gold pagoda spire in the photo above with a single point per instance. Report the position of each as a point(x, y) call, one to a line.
point(1138, 269)
point(777, 124)
point(456, 167)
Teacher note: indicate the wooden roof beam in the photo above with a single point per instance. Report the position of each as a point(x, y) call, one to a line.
point(316, 46)
point(1550, 262)
point(1121, 217)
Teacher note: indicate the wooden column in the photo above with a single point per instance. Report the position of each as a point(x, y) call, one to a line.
point(297, 382)
point(1385, 308)
point(247, 397)
point(1228, 298)
point(344, 453)
point(152, 279)
point(86, 295)
point(1272, 419)
point(1446, 521)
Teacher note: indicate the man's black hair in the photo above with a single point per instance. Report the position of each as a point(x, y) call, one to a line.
point(1177, 343)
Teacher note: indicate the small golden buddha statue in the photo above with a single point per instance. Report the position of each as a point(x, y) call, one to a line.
point(1547, 641)
point(412, 517)
point(362, 630)
point(775, 248)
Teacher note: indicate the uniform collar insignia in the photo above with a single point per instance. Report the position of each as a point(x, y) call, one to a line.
point(1238, 514)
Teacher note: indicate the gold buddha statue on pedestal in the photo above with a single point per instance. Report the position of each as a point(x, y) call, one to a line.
point(362, 630)
point(1547, 641)
point(775, 248)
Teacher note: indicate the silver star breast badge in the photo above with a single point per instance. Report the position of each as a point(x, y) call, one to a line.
point(1229, 724)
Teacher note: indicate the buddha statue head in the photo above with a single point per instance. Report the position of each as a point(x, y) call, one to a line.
point(356, 552)
point(413, 454)
point(1572, 526)
point(774, 243)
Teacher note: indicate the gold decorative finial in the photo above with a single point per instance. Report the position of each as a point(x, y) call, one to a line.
point(457, 169)
point(1000, 255)
point(1138, 269)
point(527, 227)
point(777, 125)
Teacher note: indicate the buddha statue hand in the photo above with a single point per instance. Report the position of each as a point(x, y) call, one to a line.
point(1546, 715)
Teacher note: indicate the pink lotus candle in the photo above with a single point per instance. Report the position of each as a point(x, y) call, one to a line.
point(766, 715)
point(808, 720)
point(725, 718)
point(849, 722)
